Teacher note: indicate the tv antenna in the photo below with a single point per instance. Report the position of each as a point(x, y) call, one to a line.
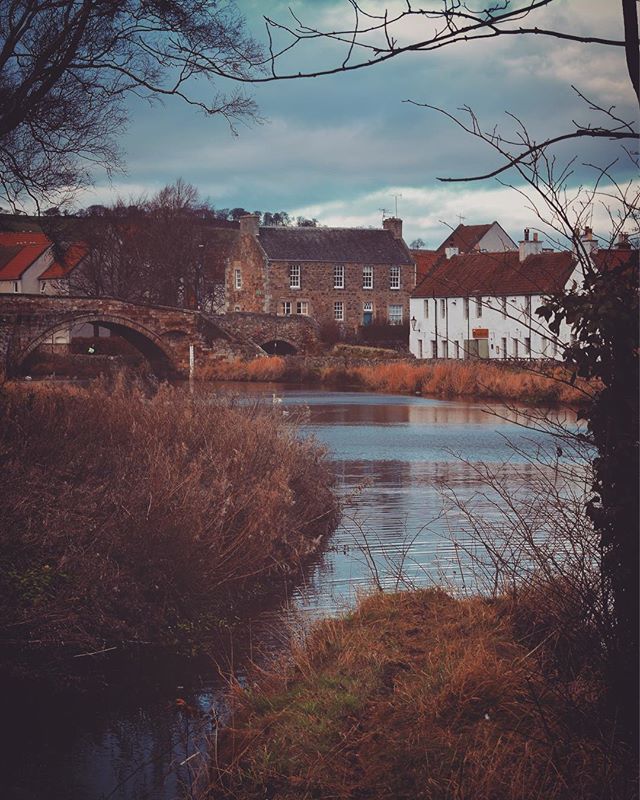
point(461, 218)
point(396, 196)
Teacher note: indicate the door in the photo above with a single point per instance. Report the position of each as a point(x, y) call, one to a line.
point(367, 313)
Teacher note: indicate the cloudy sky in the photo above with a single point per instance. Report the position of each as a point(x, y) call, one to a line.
point(340, 147)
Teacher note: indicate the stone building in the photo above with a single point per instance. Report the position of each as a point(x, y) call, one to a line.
point(348, 276)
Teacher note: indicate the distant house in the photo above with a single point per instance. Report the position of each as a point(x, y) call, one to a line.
point(347, 276)
point(56, 279)
point(24, 257)
point(490, 237)
point(483, 304)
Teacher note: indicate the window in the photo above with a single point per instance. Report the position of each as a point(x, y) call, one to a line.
point(516, 348)
point(394, 277)
point(43, 287)
point(443, 308)
point(426, 309)
point(338, 311)
point(238, 274)
point(338, 276)
point(367, 277)
point(294, 276)
point(466, 308)
point(478, 307)
point(395, 315)
point(527, 345)
point(286, 308)
point(504, 308)
point(445, 348)
point(16, 286)
point(527, 305)
point(457, 349)
point(434, 348)
point(420, 348)
point(302, 307)
point(504, 347)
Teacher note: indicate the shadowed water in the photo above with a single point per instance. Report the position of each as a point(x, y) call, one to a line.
point(393, 457)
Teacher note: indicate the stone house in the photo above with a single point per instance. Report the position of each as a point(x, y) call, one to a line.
point(483, 304)
point(347, 276)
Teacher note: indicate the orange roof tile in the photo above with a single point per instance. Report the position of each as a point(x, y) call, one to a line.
point(17, 256)
point(72, 257)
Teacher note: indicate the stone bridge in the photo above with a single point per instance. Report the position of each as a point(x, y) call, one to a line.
point(164, 335)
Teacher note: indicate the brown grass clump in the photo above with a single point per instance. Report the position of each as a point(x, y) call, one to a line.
point(418, 695)
point(132, 519)
point(541, 385)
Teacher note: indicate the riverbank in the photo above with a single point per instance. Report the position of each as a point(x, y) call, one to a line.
point(539, 384)
point(417, 694)
point(134, 523)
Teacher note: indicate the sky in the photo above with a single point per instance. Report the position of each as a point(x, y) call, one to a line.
point(340, 148)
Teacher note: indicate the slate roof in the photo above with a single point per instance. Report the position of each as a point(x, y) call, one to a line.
point(340, 245)
point(496, 274)
point(18, 251)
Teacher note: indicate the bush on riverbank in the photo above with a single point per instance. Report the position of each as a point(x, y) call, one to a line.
point(420, 695)
point(129, 519)
point(537, 385)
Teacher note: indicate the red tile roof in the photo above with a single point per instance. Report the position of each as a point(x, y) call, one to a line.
point(496, 274)
point(465, 237)
point(18, 251)
point(425, 260)
point(72, 257)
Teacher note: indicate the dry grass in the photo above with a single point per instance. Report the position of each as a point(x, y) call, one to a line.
point(540, 385)
point(129, 519)
point(417, 695)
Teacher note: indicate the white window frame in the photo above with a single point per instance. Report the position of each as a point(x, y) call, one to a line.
point(392, 317)
point(367, 277)
point(294, 276)
point(478, 307)
point(286, 308)
point(238, 278)
point(338, 311)
point(426, 309)
point(338, 276)
point(16, 287)
point(394, 277)
point(302, 307)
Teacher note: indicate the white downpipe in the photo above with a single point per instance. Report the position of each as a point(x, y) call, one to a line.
point(192, 362)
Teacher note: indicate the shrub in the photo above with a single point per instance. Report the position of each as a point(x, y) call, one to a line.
point(128, 518)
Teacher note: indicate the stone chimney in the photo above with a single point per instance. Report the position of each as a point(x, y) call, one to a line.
point(250, 224)
point(528, 246)
point(451, 251)
point(623, 241)
point(393, 224)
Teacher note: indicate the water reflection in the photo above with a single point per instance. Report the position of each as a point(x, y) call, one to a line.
point(393, 458)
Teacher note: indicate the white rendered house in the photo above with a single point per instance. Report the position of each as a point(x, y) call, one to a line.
point(482, 305)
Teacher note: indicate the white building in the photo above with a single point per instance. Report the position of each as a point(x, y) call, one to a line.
point(483, 304)
point(23, 258)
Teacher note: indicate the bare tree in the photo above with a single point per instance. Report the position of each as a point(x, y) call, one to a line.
point(67, 67)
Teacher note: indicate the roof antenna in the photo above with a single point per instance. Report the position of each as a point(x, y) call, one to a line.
point(461, 218)
point(384, 211)
point(396, 196)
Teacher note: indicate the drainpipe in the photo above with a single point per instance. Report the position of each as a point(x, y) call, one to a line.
point(192, 363)
point(446, 321)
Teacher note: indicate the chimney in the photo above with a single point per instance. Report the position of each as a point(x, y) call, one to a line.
point(623, 241)
point(451, 251)
point(589, 241)
point(529, 247)
point(250, 224)
point(394, 225)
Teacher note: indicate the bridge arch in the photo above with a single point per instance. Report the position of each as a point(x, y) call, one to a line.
point(157, 352)
point(279, 347)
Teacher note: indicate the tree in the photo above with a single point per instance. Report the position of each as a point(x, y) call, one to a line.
point(417, 244)
point(67, 68)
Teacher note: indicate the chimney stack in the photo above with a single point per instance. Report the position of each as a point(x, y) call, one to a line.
point(451, 251)
point(529, 247)
point(623, 241)
point(393, 224)
point(250, 224)
point(589, 241)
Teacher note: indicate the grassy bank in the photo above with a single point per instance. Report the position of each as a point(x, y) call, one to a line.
point(540, 385)
point(128, 520)
point(418, 695)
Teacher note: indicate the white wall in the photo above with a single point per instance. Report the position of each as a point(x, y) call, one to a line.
point(496, 240)
point(451, 329)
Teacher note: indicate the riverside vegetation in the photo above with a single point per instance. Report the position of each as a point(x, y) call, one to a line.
point(545, 384)
point(131, 521)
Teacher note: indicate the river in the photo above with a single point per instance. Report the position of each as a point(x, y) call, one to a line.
point(397, 460)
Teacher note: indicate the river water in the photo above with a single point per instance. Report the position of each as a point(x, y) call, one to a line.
point(397, 460)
